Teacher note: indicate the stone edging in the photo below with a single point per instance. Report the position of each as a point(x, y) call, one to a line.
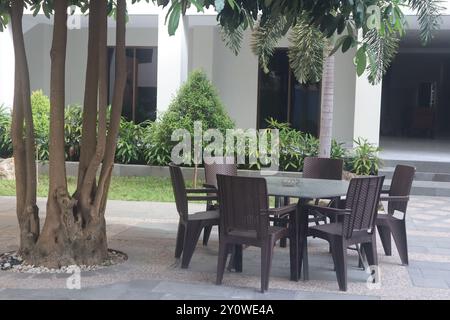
point(134, 170)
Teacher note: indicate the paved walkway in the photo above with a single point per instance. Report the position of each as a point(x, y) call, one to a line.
point(395, 148)
point(146, 232)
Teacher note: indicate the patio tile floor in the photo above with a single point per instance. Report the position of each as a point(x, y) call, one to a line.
point(146, 232)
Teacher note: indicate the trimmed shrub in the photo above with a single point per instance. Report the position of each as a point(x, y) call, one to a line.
point(196, 100)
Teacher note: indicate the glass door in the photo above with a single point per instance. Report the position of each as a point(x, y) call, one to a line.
point(139, 101)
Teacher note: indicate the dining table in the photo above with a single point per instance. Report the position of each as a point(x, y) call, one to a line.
point(304, 190)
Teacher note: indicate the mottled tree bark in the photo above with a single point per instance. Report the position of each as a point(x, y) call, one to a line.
point(116, 110)
point(75, 229)
point(23, 145)
point(88, 138)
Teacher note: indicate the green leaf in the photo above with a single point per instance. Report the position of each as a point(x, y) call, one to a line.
point(348, 41)
point(361, 60)
point(198, 4)
point(337, 45)
point(174, 18)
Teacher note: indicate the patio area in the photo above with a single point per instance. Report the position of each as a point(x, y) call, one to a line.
point(146, 231)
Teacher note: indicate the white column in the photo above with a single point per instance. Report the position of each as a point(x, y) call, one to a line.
point(172, 60)
point(6, 68)
point(367, 110)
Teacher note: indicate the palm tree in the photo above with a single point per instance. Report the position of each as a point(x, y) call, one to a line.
point(311, 53)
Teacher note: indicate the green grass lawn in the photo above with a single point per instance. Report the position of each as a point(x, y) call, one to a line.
point(122, 188)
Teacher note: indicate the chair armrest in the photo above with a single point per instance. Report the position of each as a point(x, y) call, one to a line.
point(282, 210)
point(328, 210)
point(203, 190)
point(202, 198)
point(209, 186)
point(395, 198)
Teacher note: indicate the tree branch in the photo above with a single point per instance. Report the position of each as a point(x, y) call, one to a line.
point(89, 178)
point(116, 109)
point(89, 132)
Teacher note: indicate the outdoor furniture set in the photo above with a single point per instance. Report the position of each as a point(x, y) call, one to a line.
point(342, 213)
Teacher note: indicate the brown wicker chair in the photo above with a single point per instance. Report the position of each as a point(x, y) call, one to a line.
point(317, 168)
point(190, 225)
point(322, 168)
point(357, 223)
point(397, 199)
point(244, 220)
point(214, 166)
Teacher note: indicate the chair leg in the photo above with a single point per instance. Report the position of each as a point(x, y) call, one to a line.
point(194, 228)
point(370, 251)
point(180, 240)
point(400, 239)
point(206, 234)
point(283, 241)
point(266, 263)
point(222, 260)
point(385, 236)
point(339, 253)
point(360, 256)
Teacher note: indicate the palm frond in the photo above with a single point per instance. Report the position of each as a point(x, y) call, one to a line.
point(232, 38)
point(306, 53)
point(429, 15)
point(381, 50)
point(265, 39)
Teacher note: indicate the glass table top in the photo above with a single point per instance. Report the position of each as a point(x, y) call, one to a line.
point(306, 188)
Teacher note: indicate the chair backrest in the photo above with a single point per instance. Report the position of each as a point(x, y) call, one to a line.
point(179, 190)
point(323, 168)
point(219, 165)
point(362, 199)
point(241, 201)
point(401, 186)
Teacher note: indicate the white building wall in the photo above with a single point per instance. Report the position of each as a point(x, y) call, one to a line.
point(367, 110)
point(236, 78)
point(38, 42)
point(202, 49)
point(6, 68)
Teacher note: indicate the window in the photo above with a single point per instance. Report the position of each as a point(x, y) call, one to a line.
point(282, 97)
point(139, 101)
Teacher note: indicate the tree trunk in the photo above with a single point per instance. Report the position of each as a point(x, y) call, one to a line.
point(75, 227)
point(116, 109)
point(53, 246)
point(24, 146)
point(88, 138)
point(327, 101)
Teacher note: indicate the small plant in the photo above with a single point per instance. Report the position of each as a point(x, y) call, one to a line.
point(338, 150)
point(72, 131)
point(129, 143)
point(5, 133)
point(365, 160)
point(40, 105)
point(295, 146)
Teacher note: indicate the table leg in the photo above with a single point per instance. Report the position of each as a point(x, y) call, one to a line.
point(303, 238)
point(236, 258)
point(294, 246)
